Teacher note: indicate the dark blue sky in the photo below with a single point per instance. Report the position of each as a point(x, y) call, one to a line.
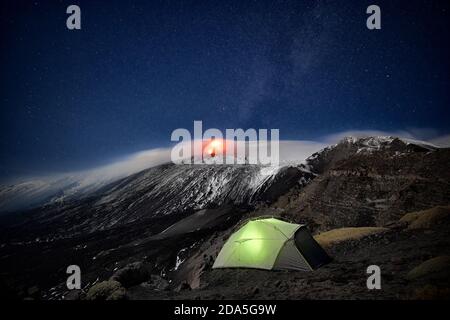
point(140, 69)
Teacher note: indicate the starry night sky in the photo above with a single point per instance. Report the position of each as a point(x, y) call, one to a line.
point(140, 69)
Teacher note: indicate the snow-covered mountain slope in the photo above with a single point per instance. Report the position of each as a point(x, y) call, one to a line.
point(170, 189)
point(38, 191)
point(204, 183)
point(185, 187)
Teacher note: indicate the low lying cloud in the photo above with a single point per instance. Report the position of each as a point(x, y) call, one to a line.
point(443, 141)
point(290, 150)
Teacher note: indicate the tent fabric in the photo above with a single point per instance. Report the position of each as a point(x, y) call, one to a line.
point(310, 249)
point(290, 258)
point(255, 244)
point(269, 244)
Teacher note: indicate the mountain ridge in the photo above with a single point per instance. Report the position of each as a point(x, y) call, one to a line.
point(355, 183)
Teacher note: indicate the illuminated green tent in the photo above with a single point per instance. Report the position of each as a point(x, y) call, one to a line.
point(271, 244)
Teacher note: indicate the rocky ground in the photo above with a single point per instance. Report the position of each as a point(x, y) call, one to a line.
point(397, 251)
point(414, 260)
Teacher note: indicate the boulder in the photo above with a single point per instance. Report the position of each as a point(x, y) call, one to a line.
point(34, 292)
point(73, 295)
point(156, 283)
point(430, 292)
point(106, 290)
point(131, 275)
point(335, 236)
point(183, 286)
point(435, 268)
point(427, 219)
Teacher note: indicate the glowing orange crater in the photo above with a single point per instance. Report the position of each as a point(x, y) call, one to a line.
point(216, 146)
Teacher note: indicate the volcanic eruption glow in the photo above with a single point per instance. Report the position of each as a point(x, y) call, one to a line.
point(215, 147)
